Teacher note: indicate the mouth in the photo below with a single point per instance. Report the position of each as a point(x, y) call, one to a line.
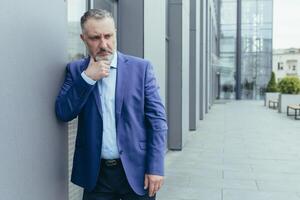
point(104, 56)
point(104, 52)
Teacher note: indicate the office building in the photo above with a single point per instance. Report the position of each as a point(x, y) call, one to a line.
point(180, 38)
point(286, 62)
point(245, 48)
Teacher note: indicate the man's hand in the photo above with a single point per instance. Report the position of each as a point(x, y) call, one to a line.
point(97, 69)
point(153, 182)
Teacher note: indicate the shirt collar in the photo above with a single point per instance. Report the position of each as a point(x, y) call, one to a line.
point(114, 62)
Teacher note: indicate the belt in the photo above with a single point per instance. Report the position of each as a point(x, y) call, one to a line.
point(111, 162)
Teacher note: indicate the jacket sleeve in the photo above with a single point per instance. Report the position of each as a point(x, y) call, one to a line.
point(156, 124)
point(72, 96)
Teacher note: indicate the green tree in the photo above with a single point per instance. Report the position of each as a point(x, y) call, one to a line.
point(289, 85)
point(272, 86)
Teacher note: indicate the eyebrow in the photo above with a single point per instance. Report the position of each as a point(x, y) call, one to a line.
point(99, 35)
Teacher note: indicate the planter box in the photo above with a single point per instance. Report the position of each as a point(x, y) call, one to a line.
point(287, 99)
point(271, 95)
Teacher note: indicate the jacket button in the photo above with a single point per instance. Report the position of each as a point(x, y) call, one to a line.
point(120, 152)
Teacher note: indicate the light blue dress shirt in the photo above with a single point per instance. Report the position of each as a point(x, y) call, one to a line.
point(107, 88)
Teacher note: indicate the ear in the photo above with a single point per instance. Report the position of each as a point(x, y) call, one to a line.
point(82, 37)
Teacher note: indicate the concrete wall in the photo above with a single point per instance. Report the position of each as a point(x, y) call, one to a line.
point(185, 67)
point(131, 27)
point(198, 51)
point(194, 66)
point(154, 40)
point(287, 99)
point(202, 59)
point(175, 64)
point(33, 145)
point(206, 55)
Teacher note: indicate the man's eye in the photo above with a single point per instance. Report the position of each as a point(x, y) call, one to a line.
point(107, 36)
point(94, 38)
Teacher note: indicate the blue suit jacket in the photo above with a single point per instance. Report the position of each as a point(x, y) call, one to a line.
point(140, 121)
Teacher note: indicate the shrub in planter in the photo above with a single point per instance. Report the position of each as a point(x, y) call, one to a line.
point(289, 85)
point(272, 86)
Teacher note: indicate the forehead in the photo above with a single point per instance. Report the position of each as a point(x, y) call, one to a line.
point(99, 26)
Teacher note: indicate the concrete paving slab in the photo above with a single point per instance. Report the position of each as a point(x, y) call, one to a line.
point(257, 195)
point(242, 150)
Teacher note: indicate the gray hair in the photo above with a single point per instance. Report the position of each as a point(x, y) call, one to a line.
point(95, 14)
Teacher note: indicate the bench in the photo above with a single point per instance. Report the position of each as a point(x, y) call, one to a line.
point(273, 103)
point(296, 109)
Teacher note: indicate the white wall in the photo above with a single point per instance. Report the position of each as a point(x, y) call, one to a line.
point(284, 58)
point(154, 40)
point(287, 99)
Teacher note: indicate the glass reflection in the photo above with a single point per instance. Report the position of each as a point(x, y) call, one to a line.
point(256, 42)
point(226, 66)
point(76, 48)
point(256, 47)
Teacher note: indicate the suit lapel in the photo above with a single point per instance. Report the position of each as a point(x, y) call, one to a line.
point(122, 76)
point(95, 90)
point(97, 99)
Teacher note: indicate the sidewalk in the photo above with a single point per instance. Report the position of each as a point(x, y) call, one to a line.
point(242, 151)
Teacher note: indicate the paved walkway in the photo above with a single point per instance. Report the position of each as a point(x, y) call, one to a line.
point(242, 151)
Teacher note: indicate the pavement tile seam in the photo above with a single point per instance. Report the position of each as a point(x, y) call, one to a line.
point(258, 195)
point(257, 185)
point(240, 156)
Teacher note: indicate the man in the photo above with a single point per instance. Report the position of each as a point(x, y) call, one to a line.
point(120, 142)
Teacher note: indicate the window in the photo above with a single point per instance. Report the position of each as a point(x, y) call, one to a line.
point(280, 66)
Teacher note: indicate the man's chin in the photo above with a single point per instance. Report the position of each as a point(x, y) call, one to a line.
point(106, 57)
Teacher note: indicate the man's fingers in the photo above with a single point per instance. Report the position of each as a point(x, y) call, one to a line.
point(151, 189)
point(154, 183)
point(156, 187)
point(98, 69)
point(146, 182)
point(161, 183)
point(106, 62)
point(104, 69)
point(99, 63)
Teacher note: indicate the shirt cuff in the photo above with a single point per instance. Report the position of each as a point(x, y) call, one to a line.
point(87, 79)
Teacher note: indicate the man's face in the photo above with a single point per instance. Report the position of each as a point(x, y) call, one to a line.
point(100, 37)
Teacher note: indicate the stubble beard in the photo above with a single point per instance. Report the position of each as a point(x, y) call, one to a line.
point(108, 58)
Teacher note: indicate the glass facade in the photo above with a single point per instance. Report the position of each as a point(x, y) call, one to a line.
point(227, 66)
point(256, 47)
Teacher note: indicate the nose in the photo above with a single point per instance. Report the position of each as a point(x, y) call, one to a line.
point(102, 42)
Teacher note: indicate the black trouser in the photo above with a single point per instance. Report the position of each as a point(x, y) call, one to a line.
point(112, 184)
